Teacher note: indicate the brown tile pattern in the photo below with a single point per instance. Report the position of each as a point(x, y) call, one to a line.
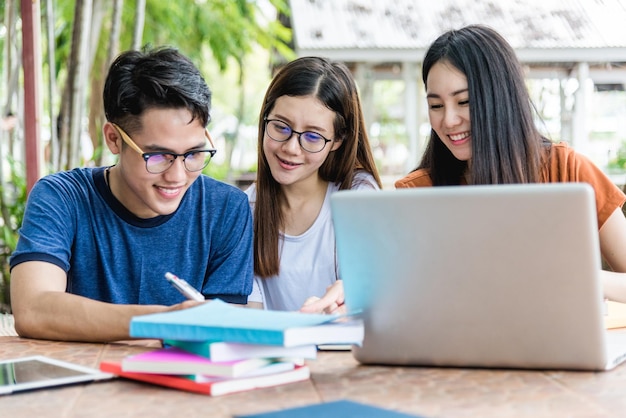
point(431, 392)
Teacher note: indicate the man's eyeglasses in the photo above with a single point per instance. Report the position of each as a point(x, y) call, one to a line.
point(158, 162)
point(309, 141)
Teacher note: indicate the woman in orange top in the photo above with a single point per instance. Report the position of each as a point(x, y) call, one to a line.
point(483, 132)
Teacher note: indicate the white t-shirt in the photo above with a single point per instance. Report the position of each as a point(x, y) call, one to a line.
point(308, 262)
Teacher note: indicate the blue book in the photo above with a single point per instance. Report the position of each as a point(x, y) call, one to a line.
point(338, 409)
point(219, 321)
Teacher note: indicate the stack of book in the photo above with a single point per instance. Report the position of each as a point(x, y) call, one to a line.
point(216, 348)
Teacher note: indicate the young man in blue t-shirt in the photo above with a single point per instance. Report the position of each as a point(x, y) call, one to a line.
point(95, 243)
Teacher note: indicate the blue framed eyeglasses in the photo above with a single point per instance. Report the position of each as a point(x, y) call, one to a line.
point(309, 141)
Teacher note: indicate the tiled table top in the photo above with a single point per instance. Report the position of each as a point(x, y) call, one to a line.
point(430, 392)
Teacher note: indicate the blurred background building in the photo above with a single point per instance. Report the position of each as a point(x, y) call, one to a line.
point(573, 51)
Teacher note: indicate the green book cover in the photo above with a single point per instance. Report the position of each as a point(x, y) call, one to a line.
point(226, 351)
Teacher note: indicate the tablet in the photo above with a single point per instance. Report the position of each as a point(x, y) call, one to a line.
point(35, 372)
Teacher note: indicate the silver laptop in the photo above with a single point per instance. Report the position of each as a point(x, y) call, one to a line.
point(476, 276)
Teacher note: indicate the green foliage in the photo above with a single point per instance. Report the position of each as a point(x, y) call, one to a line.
point(212, 33)
point(226, 28)
point(13, 214)
point(217, 171)
point(618, 163)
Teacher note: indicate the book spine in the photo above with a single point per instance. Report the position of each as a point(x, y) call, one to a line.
point(216, 388)
point(140, 329)
point(226, 351)
point(171, 381)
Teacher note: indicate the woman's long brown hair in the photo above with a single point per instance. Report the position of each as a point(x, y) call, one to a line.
point(333, 85)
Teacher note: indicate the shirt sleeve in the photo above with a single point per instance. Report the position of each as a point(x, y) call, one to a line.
point(568, 166)
point(363, 180)
point(417, 178)
point(47, 228)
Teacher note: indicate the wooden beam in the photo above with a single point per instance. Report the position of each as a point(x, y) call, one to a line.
point(31, 60)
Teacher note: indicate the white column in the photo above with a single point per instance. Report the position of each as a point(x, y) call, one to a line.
point(566, 114)
point(412, 113)
point(365, 82)
point(580, 126)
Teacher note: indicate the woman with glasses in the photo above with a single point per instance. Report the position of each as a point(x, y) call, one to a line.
point(96, 243)
point(312, 143)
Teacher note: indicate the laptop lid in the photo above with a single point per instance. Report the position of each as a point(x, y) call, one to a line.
point(474, 276)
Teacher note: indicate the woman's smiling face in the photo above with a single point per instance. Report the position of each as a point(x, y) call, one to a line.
point(288, 162)
point(448, 108)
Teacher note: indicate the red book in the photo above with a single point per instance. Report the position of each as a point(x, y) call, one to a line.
point(213, 386)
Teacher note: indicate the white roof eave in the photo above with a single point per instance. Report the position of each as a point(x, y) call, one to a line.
point(526, 56)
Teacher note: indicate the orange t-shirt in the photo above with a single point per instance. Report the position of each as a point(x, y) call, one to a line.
point(565, 165)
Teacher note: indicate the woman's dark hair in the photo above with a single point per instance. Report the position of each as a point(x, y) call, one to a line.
point(506, 145)
point(333, 85)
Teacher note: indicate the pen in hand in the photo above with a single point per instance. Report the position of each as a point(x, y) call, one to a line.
point(185, 288)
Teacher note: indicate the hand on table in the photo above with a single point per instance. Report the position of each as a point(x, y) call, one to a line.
point(331, 303)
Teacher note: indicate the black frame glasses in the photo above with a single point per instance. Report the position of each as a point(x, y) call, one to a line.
point(164, 160)
point(277, 125)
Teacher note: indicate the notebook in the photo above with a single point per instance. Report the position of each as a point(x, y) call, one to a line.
point(476, 276)
point(343, 408)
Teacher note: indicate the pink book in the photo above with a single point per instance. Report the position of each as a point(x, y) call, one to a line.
point(173, 360)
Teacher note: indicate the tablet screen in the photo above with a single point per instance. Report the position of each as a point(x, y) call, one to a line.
point(35, 372)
